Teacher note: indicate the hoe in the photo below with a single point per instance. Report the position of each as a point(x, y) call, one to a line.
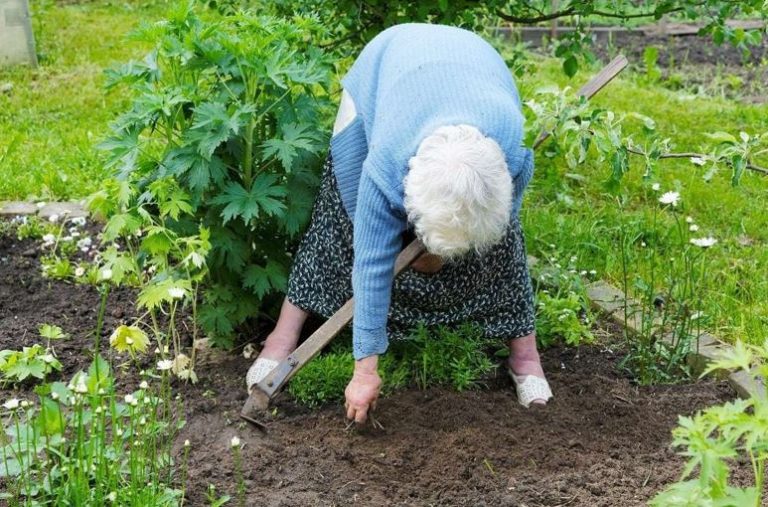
point(265, 391)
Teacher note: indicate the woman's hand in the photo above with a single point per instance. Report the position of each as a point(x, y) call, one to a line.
point(363, 390)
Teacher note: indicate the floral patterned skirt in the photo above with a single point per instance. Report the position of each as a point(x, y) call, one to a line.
point(492, 290)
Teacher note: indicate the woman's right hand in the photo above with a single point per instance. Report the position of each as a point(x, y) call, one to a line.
point(363, 390)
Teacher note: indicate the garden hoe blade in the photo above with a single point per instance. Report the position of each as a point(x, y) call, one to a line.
point(255, 409)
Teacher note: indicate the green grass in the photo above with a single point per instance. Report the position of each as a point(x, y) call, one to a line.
point(736, 291)
point(55, 114)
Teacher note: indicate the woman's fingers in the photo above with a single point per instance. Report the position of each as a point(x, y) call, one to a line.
point(361, 414)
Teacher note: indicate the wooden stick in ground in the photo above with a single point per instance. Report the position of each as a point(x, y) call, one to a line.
point(264, 391)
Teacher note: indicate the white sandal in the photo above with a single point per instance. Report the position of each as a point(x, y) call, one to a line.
point(258, 370)
point(530, 388)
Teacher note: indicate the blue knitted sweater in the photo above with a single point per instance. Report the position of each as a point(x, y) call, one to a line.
point(408, 81)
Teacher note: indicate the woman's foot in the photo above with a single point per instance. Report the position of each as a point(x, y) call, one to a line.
point(524, 361)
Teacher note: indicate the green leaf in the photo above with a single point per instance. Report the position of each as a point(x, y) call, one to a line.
point(295, 137)
point(722, 137)
point(239, 202)
point(51, 332)
point(263, 279)
point(570, 66)
point(123, 150)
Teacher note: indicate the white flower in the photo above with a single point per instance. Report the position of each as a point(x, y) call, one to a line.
point(25, 404)
point(698, 161)
point(129, 399)
point(176, 292)
point(235, 442)
point(54, 396)
point(592, 272)
point(670, 198)
point(703, 242)
point(78, 221)
point(642, 244)
point(11, 404)
point(186, 443)
point(165, 364)
point(53, 218)
point(106, 274)
point(583, 272)
point(689, 220)
point(80, 271)
point(49, 238)
point(112, 497)
point(656, 187)
point(143, 385)
point(84, 243)
point(81, 388)
point(693, 228)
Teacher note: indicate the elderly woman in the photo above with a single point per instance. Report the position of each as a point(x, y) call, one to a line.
point(427, 144)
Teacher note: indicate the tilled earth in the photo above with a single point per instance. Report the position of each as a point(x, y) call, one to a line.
point(601, 442)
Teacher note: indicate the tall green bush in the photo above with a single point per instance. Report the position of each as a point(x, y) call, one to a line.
point(223, 138)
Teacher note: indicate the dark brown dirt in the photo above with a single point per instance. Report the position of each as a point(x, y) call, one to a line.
point(695, 64)
point(601, 442)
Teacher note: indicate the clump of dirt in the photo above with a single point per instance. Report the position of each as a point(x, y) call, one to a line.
point(602, 442)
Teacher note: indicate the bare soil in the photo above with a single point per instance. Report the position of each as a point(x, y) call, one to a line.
point(602, 442)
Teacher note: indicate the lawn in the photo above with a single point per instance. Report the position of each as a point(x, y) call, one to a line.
point(54, 115)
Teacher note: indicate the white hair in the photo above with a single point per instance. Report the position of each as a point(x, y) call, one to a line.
point(458, 191)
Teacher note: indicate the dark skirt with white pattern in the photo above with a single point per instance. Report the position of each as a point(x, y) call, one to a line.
point(492, 290)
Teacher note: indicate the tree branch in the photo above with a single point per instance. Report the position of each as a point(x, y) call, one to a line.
point(751, 167)
point(536, 19)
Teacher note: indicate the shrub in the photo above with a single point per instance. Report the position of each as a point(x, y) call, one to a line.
point(222, 140)
point(719, 435)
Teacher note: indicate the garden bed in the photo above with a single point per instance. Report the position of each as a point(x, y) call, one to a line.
point(601, 442)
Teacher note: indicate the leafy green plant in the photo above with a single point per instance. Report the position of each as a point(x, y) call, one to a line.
point(716, 437)
point(440, 356)
point(562, 319)
point(30, 362)
point(84, 444)
point(223, 136)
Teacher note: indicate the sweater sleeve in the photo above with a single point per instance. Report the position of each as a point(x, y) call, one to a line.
point(377, 242)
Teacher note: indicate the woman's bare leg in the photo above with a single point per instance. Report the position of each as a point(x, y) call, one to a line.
point(524, 358)
point(284, 338)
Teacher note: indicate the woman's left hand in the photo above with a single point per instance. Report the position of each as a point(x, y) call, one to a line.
point(363, 390)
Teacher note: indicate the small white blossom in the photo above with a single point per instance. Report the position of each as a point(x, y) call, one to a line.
point(79, 271)
point(49, 238)
point(656, 187)
point(53, 219)
point(129, 399)
point(25, 404)
point(689, 220)
point(11, 404)
point(112, 497)
point(81, 388)
point(235, 442)
point(693, 228)
point(186, 443)
point(176, 292)
point(698, 161)
point(54, 396)
point(143, 385)
point(592, 272)
point(106, 274)
point(583, 272)
point(85, 242)
point(165, 364)
point(703, 242)
point(670, 198)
